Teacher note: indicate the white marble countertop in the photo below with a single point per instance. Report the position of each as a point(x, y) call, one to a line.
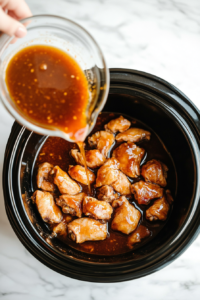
point(161, 37)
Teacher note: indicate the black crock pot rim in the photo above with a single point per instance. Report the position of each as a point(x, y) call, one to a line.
point(105, 263)
point(155, 78)
point(191, 237)
point(149, 270)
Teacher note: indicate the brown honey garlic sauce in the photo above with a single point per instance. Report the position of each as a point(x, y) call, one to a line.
point(57, 152)
point(49, 89)
point(82, 150)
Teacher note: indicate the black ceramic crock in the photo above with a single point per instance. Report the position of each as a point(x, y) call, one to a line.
point(176, 120)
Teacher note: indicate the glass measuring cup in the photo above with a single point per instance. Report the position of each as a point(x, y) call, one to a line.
point(75, 41)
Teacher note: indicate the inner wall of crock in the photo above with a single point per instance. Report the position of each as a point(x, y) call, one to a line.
point(140, 106)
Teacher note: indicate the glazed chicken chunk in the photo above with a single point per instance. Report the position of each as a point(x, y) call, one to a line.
point(129, 156)
point(146, 191)
point(60, 229)
point(94, 158)
point(79, 174)
point(97, 209)
point(126, 217)
point(140, 233)
point(102, 140)
point(108, 173)
point(115, 190)
point(133, 135)
point(47, 207)
point(86, 229)
point(44, 179)
point(71, 204)
point(64, 183)
point(122, 185)
point(120, 124)
point(160, 208)
point(155, 171)
point(106, 193)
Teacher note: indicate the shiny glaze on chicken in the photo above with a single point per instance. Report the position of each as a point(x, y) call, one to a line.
point(114, 235)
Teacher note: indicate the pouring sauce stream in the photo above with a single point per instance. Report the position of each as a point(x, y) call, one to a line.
point(82, 150)
point(49, 89)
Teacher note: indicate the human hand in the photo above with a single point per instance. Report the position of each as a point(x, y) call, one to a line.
point(10, 12)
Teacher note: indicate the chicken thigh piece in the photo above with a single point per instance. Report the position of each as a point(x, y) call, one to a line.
point(160, 208)
point(106, 193)
point(108, 173)
point(64, 183)
point(126, 217)
point(122, 185)
point(71, 204)
point(94, 158)
point(133, 135)
point(140, 233)
point(78, 173)
point(97, 209)
point(102, 140)
point(44, 179)
point(129, 156)
point(60, 229)
point(145, 191)
point(47, 207)
point(120, 124)
point(155, 171)
point(86, 229)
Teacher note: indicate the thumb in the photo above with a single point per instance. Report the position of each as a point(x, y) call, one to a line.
point(11, 26)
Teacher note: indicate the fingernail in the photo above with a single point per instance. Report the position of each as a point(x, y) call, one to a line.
point(20, 32)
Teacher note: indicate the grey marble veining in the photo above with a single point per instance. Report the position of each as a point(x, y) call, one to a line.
point(156, 36)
